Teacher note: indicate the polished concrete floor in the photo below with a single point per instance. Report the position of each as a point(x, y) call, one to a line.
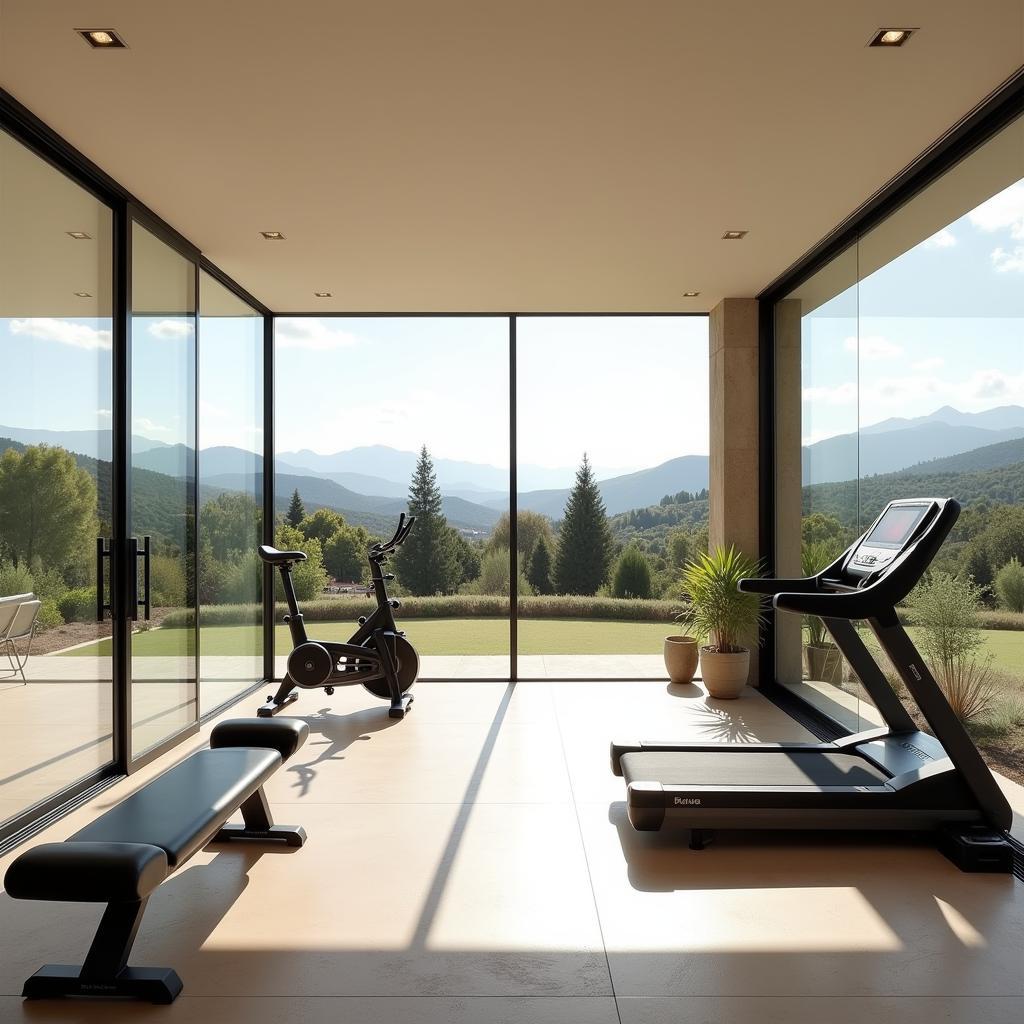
point(473, 863)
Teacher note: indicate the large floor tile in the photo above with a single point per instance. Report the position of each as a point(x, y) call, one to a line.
point(339, 1010)
point(382, 901)
point(867, 1010)
point(798, 916)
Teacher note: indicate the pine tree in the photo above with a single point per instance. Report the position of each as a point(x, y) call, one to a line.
point(539, 572)
point(427, 563)
point(585, 540)
point(632, 577)
point(296, 513)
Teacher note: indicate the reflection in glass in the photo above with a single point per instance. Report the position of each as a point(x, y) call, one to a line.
point(231, 493)
point(163, 487)
point(55, 442)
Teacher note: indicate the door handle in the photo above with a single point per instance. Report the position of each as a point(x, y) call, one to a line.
point(103, 552)
point(134, 554)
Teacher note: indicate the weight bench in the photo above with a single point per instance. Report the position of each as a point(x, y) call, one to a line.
point(121, 857)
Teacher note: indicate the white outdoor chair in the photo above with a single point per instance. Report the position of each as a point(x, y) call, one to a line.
point(18, 615)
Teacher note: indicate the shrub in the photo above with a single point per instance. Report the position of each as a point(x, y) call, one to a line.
point(50, 616)
point(242, 580)
point(969, 685)
point(1009, 585)
point(15, 580)
point(632, 576)
point(47, 585)
point(494, 575)
point(309, 577)
point(167, 581)
point(78, 605)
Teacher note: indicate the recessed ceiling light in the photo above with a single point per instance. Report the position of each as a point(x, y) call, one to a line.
point(84, 295)
point(102, 38)
point(273, 236)
point(690, 295)
point(78, 234)
point(322, 295)
point(735, 234)
point(891, 36)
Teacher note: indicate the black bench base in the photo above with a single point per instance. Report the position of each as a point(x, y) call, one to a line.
point(147, 984)
point(291, 835)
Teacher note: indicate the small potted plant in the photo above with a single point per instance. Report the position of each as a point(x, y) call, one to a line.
point(722, 616)
point(822, 659)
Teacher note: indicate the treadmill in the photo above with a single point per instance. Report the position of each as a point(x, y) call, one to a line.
point(895, 777)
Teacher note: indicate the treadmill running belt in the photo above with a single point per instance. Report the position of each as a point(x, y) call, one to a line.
point(752, 768)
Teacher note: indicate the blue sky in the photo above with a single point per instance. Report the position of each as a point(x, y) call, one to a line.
point(943, 324)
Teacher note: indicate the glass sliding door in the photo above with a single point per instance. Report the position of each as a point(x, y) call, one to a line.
point(230, 493)
point(612, 462)
point(162, 489)
point(55, 475)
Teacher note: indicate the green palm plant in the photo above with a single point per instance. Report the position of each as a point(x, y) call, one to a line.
point(719, 614)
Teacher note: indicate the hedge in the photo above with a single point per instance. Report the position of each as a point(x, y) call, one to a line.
point(456, 606)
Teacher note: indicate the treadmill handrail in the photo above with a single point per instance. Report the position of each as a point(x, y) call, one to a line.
point(752, 585)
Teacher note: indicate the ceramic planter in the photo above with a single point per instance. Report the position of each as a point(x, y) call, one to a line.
point(681, 658)
point(724, 675)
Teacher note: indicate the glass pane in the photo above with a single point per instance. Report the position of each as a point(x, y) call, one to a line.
point(380, 415)
point(230, 493)
point(614, 478)
point(55, 439)
point(163, 487)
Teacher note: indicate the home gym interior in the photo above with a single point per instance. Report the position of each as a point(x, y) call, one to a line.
point(512, 512)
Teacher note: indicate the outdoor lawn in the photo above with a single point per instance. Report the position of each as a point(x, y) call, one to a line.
point(431, 636)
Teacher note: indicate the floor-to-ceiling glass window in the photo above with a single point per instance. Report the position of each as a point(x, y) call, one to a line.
point(162, 487)
point(375, 416)
point(930, 306)
point(230, 493)
point(55, 477)
point(612, 463)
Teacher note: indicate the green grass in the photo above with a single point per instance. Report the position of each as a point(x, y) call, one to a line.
point(489, 636)
point(431, 636)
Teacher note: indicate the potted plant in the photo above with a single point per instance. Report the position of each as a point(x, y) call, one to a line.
point(680, 654)
point(822, 660)
point(722, 616)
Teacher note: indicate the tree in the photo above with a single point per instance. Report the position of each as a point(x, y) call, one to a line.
point(466, 556)
point(539, 572)
point(47, 507)
point(585, 540)
point(1010, 586)
point(345, 552)
point(680, 548)
point(495, 573)
point(426, 563)
point(296, 512)
point(632, 577)
point(530, 527)
point(323, 524)
point(230, 523)
point(310, 576)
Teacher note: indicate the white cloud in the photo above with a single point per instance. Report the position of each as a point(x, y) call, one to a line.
point(932, 363)
point(842, 394)
point(170, 330)
point(1004, 260)
point(1003, 210)
point(944, 239)
point(872, 346)
point(65, 332)
point(104, 414)
point(312, 334)
point(146, 424)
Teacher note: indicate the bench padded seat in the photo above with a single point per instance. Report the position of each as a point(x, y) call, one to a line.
point(181, 810)
point(285, 735)
point(87, 872)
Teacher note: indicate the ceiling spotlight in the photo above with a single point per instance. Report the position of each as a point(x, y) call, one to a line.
point(322, 295)
point(102, 38)
point(735, 234)
point(891, 36)
point(272, 236)
point(690, 295)
point(84, 295)
point(78, 234)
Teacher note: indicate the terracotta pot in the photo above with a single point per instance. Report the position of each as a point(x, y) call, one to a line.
point(680, 658)
point(824, 663)
point(724, 675)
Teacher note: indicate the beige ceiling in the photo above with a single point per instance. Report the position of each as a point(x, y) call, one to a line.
point(552, 155)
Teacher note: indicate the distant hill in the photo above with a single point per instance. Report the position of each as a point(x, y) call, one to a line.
point(992, 456)
point(1004, 417)
point(96, 444)
point(838, 458)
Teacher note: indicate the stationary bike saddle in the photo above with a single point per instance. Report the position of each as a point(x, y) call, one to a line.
point(274, 557)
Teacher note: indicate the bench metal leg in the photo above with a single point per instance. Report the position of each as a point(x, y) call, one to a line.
point(259, 824)
point(105, 972)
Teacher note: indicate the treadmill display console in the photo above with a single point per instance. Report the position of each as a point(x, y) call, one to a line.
point(891, 533)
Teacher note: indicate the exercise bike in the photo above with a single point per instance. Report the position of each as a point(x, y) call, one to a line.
point(378, 656)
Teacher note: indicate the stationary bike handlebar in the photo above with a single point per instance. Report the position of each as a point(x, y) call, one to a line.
point(380, 550)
